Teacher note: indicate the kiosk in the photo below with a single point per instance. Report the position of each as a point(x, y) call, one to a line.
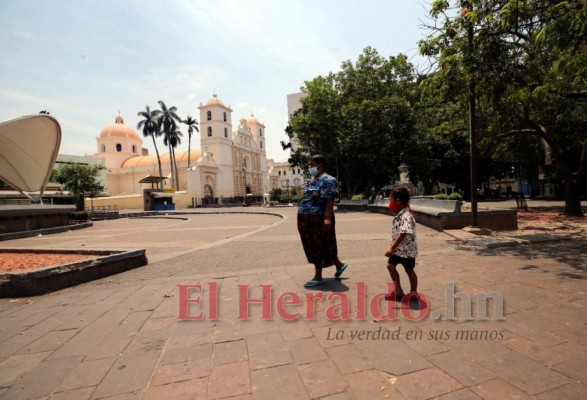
point(155, 199)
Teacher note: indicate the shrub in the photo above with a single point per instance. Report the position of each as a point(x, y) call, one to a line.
point(357, 197)
point(455, 196)
point(441, 196)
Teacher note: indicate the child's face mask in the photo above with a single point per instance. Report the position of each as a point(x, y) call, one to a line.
point(394, 207)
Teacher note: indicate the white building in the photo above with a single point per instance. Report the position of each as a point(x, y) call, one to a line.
point(293, 104)
point(285, 177)
point(231, 162)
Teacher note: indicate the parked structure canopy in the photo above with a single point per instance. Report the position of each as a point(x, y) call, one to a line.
point(28, 150)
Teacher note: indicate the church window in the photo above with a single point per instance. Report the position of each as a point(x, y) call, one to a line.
point(261, 143)
point(260, 132)
point(209, 131)
point(134, 148)
point(279, 173)
point(103, 148)
point(225, 131)
point(209, 115)
point(225, 116)
point(118, 147)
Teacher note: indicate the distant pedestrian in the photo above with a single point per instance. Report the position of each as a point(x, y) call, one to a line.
point(403, 248)
point(316, 223)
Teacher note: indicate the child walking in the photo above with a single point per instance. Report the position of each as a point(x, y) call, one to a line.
point(403, 249)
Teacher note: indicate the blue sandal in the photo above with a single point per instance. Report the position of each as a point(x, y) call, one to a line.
point(313, 283)
point(339, 272)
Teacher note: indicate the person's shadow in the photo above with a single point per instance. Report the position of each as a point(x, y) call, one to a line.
point(331, 285)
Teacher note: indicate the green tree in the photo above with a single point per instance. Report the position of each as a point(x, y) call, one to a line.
point(80, 180)
point(361, 119)
point(443, 146)
point(167, 120)
point(276, 194)
point(148, 125)
point(299, 157)
point(529, 62)
point(192, 125)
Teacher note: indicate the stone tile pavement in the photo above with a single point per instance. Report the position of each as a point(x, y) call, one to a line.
point(500, 323)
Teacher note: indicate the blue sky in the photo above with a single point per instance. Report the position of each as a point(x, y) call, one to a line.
point(86, 60)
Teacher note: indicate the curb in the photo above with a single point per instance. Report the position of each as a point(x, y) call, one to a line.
point(46, 231)
point(49, 279)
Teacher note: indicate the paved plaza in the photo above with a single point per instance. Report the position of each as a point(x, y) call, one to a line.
point(505, 323)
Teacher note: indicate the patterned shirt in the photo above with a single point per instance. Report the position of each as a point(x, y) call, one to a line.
point(404, 222)
point(315, 195)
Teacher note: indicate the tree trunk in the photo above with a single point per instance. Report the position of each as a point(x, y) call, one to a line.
point(572, 198)
point(189, 149)
point(176, 171)
point(171, 166)
point(158, 159)
point(80, 202)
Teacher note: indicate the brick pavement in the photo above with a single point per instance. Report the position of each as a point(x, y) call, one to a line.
point(119, 337)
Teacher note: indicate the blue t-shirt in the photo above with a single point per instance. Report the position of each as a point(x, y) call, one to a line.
point(316, 194)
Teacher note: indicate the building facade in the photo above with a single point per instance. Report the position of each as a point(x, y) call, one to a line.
point(230, 163)
point(294, 103)
point(283, 176)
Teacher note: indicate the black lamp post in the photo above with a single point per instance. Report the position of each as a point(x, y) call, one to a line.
point(472, 118)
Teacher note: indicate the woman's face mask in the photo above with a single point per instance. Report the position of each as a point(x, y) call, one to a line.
point(313, 171)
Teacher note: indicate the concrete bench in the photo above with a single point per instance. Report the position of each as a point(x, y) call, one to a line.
point(353, 205)
point(447, 214)
point(436, 207)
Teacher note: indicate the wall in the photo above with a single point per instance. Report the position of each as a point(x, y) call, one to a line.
point(135, 202)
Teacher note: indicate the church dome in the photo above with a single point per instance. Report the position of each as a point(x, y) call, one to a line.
point(214, 101)
point(119, 129)
point(252, 121)
point(151, 160)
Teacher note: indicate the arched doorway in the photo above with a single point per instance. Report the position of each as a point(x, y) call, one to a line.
point(208, 194)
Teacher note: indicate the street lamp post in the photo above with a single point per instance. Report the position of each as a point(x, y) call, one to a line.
point(472, 118)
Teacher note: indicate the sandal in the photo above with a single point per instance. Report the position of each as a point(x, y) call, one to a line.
point(313, 283)
point(339, 272)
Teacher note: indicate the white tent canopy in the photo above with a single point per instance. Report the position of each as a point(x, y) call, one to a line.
point(28, 150)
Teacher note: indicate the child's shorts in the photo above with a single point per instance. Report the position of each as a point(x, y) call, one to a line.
point(409, 263)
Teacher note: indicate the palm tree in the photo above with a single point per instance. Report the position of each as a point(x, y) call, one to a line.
point(192, 124)
point(167, 120)
point(172, 140)
point(150, 129)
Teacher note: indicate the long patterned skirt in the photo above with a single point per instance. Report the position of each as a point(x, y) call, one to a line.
point(319, 245)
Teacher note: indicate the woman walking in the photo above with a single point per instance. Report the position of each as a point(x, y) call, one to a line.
point(316, 222)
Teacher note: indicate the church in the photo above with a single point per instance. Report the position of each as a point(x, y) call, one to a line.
point(230, 163)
